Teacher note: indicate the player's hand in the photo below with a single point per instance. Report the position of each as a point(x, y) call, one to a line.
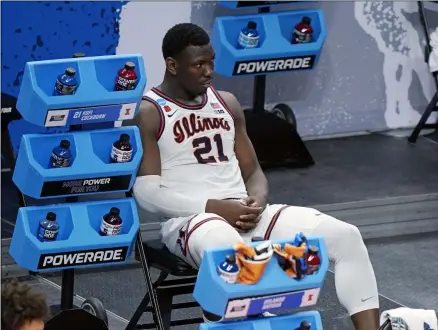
point(232, 210)
point(253, 201)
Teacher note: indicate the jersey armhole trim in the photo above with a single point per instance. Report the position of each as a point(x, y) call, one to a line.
point(161, 114)
point(224, 104)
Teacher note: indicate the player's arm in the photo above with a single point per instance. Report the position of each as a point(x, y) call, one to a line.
point(148, 189)
point(255, 180)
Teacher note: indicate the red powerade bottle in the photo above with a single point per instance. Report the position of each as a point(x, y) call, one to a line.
point(111, 223)
point(312, 259)
point(126, 78)
point(303, 31)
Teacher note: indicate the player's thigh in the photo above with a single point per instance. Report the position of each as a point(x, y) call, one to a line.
point(289, 220)
point(188, 237)
point(281, 221)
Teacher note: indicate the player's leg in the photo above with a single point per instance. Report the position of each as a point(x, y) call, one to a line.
point(188, 237)
point(355, 281)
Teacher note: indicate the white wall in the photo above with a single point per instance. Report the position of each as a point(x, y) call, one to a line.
point(142, 28)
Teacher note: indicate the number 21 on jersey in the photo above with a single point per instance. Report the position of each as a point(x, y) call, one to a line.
point(204, 152)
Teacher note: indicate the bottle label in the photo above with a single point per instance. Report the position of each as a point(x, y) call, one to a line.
point(58, 161)
point(312, 269)
point(301, 37)
point(109, 229)
point(64, 89)
point(247, 41)
point(228, 272)
point(47, 234)
point(121, 156)
point(229, 278)
point(125, 84)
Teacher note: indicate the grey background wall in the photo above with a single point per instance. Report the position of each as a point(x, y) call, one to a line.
point(371, 75)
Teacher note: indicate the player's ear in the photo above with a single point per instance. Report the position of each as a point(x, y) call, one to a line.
point(171, 65)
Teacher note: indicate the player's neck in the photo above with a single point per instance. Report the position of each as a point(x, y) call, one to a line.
point(171, 88)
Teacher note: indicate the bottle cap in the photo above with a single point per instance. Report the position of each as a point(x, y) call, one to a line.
point(313, 248)
point(231, 259)
point(252, 25)
point(70, 71)
point(305, 325)
point(115, 211)
point(77, 55)
point(51, 216)
point(65, 144)
point(124, 137)
point(129, 66)
point(257, 239)
point(306, 20)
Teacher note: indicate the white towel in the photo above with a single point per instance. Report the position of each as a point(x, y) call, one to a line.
point(410, 319)
point(433, 57)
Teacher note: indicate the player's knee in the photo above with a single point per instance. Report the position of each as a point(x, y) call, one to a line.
point(351, 233)
point(214, 232)
point(350, 241)
point(220, 232)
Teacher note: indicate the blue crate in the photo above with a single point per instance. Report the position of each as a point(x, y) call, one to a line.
point(79, 244)
point(275, 53)
point(286, 322)
point(276, 286)
point(253, 4)
point(17, 128)
point(94, 100)
point(91, 171)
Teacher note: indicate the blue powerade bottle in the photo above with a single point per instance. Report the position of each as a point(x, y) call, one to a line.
point(229, 270)
point(49, 228)
point(61, 155)
point(249, 37)
point(66, 83)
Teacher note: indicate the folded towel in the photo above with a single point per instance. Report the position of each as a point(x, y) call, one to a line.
point(433, 56)
point(404, 318)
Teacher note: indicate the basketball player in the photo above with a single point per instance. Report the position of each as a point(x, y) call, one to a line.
point(201, 174)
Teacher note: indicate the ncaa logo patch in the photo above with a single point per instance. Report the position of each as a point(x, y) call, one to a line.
point(161, 102)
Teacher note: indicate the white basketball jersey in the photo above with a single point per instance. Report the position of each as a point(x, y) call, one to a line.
point(197, 147)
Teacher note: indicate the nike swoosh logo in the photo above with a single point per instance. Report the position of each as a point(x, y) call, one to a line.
point(171, 114)
point(363, 300)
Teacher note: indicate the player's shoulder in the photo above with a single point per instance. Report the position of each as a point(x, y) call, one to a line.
point(227, 96)
point(232, 103)
point(149, 108)
point(147, 116)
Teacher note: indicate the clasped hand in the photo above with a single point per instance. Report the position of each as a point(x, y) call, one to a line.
point(244, 215)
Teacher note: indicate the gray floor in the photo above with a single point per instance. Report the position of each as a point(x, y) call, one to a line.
point(359, 168)
point(407, 269)
point(433, 136)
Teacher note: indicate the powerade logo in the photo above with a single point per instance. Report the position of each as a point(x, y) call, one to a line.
point(82, 258)
point(273, 65)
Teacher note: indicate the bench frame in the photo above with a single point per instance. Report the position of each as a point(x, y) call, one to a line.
point(158, 300)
